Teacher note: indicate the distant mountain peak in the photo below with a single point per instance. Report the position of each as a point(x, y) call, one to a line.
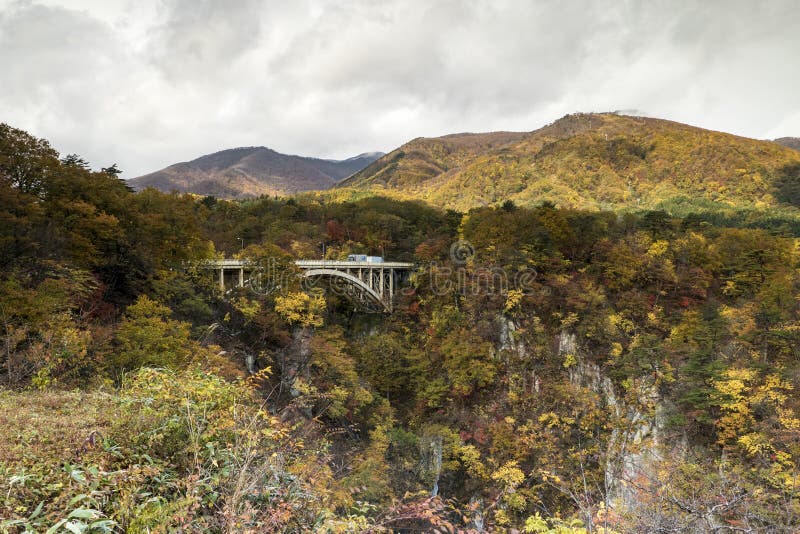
point(367, 155)
point(791, 142)
point(252, 171)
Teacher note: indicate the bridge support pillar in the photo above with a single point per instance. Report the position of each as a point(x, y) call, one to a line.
point(222, 280)
point(241, 277)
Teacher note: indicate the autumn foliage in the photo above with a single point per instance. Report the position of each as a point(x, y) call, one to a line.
point(582, 371)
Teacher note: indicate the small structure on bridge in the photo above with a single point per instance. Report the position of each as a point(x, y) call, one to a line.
point(368, 281)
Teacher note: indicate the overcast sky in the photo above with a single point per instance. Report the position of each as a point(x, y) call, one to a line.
point(148, 83)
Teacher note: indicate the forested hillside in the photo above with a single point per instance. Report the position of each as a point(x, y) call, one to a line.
point(251, 172)
point(590, 161)
point(550, 367)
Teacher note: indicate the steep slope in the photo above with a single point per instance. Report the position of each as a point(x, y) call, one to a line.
point(589, 161)
point(417, 162)
point(252, 171)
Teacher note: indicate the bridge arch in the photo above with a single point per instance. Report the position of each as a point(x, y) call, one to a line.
point(368, 294)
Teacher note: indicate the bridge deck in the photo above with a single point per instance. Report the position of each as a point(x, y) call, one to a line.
point(339, 264)
point(228, 264)
point(313, 264)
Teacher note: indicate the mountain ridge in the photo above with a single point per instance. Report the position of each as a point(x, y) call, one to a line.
point(244, 172)
point(587, 161)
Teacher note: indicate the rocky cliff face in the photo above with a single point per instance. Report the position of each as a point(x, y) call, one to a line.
point(636, 439)
point(637, 415)
point(509, 338)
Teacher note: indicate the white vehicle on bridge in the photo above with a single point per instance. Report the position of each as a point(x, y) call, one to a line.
point(365, 258)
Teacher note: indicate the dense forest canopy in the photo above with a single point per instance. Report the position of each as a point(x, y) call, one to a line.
point(576, 371)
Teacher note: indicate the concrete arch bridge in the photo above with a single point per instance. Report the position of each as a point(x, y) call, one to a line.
point(370, 285)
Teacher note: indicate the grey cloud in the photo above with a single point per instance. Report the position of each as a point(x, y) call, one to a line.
point(334, 79)
point(461, 55)
point(41, 47)
point(60, 74)
point(201, 38)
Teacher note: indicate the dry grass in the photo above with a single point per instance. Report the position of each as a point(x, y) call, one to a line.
point(45, 425)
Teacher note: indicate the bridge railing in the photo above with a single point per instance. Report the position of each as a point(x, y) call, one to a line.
point(310, 264)
point(343, 264)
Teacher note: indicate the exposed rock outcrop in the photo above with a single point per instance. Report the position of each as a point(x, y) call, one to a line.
point(636, 439)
